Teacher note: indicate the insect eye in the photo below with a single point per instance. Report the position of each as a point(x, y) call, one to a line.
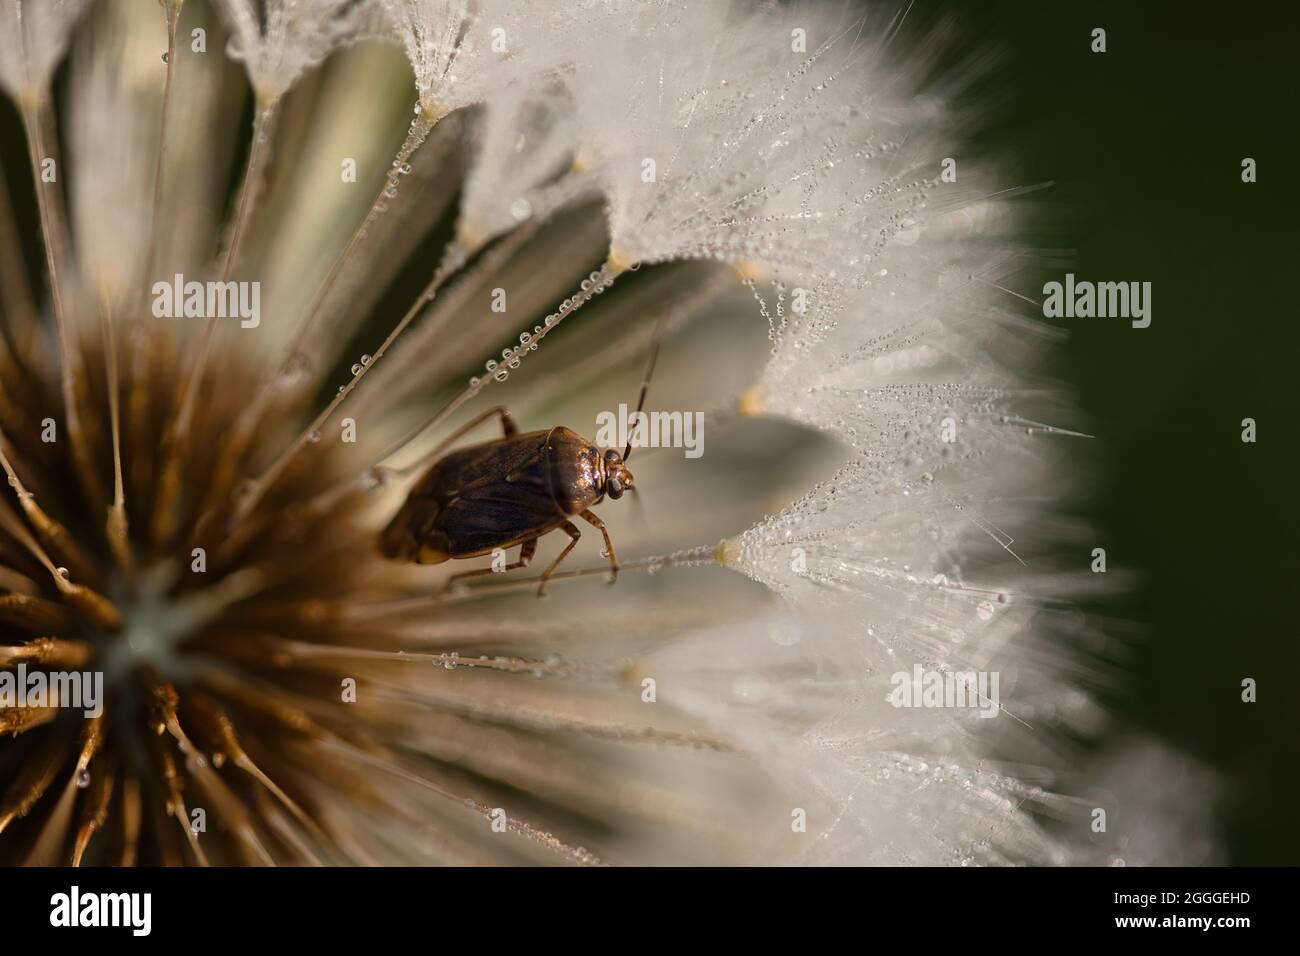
point(611, 455)
point(614, 488)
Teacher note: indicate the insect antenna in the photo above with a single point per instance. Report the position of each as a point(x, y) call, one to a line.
point(655, 340)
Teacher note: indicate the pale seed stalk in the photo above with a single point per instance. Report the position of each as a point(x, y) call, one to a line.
point(176, 444)
point(116, 528)
point(142, 368)
point(453, 259)
point(173, 15)
point(241, 435)
point(38, 122)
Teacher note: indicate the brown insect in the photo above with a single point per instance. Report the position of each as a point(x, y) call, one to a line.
point(509, 492)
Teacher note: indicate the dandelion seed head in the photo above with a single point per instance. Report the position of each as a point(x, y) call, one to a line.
point(279, 40)
point(521, 170)
point(462, 52)
point(265, 663)
point(718, 140)
point(33, 37)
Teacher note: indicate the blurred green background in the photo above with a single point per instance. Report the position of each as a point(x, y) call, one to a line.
point(1144, 145)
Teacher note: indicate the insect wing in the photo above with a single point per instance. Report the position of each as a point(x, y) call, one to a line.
point(492, 495)
point(459, 472)
point(499, 513)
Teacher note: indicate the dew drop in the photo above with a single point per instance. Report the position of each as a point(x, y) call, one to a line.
point(83, 778)
point(62, 572)
point(164, 57)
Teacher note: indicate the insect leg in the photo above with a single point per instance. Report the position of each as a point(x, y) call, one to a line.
point(507, 420)
point(507, 425)
point(574, 534)
point(526, 552)
point(590, 517)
